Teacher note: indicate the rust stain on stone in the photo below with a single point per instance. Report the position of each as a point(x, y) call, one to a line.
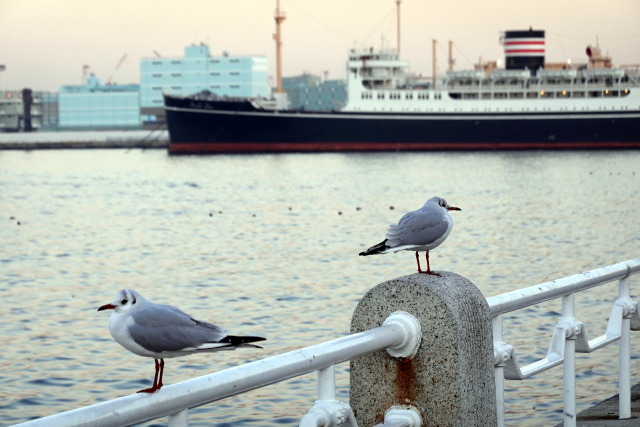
point(405, 381)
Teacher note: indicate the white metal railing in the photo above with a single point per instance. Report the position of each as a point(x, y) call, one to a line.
point(569, 334)
point(400, 334)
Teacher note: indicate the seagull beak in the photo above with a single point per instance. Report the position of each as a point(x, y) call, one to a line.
point(107, 307)
point(453, 208)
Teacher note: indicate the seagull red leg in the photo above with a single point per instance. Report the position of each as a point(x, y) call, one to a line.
point(418, 261)
point(158, 374)
point(161, 373)
point(429, 267)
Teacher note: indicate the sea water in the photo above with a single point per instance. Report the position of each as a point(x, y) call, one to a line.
point(268, 245)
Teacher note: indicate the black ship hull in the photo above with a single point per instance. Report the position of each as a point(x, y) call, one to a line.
point(233, 126)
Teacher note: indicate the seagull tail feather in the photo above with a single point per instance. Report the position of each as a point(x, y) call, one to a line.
point(375, 249)
point(241, 341)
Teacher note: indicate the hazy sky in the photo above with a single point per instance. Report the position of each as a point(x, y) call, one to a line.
point(45, 43)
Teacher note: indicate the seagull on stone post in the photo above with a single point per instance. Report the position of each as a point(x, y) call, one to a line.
point(421, 231)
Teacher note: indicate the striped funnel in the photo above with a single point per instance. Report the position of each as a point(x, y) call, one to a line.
point(524, 49)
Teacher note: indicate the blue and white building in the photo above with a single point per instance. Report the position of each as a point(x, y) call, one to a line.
point(98, 106)
point(235, 76)
point(309, 92)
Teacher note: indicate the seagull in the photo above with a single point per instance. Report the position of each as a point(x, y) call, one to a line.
point(162, 331)
point(420, 230)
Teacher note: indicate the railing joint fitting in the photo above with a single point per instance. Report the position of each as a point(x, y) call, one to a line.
point(502, 353)
point(403, 415)
point(412, 334)
point(572, 327)
point(629, 307)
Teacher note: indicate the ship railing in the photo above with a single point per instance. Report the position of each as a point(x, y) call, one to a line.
point(540, 90)
point(397, 332)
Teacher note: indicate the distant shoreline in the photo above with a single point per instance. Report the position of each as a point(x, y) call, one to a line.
point(83, 139)
point(41, 145)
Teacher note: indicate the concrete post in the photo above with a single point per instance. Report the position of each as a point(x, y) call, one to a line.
point(450, 380)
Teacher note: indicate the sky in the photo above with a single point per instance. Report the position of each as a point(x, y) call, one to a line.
point(45, 43)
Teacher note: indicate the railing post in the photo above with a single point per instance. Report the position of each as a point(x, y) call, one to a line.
point(501, 352)
point(179, 419)
point(327, 383)
point(449, 380)
point(569, 364)
point(624, 352)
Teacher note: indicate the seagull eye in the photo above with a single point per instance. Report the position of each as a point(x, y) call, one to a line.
point(124, 301)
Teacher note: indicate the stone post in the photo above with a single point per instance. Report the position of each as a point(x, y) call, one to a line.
point(450, 380)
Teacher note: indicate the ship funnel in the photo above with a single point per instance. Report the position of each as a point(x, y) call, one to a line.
point(524, 49)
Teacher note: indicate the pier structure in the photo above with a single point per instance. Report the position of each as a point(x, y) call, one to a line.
point(424, 350)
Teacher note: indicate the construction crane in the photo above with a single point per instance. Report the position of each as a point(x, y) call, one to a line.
point(124, 58)
point(85, 73)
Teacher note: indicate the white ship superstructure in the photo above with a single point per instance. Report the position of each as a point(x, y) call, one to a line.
point(379, 82)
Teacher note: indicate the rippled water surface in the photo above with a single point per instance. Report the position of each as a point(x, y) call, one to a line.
point(268, 245)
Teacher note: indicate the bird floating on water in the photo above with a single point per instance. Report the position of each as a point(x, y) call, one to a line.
point(420, 230)
point(163, 331)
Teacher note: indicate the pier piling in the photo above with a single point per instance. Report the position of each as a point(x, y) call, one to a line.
point(450, 380)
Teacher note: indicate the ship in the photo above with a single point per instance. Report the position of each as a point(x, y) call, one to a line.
point(525, 105)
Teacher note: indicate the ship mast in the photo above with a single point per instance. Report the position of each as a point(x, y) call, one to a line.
point(450, 55)
point(434, 69)
point(398, 24)
point(279, 17)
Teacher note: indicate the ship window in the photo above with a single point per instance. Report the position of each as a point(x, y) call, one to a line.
point(625, 92)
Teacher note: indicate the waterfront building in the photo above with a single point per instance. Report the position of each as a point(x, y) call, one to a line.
point(20, 110)
point(198, 70)
point(49, 103)
point(310, 92)
point(99, 106)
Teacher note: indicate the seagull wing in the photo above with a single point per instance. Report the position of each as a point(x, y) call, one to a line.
point(163, 328)
point(420, 227)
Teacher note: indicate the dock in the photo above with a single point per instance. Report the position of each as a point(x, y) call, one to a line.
point(605, 413)
point(84, 140)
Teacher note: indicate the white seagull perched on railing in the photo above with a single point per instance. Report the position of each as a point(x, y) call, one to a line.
point(420, 230)
point(161, 331)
